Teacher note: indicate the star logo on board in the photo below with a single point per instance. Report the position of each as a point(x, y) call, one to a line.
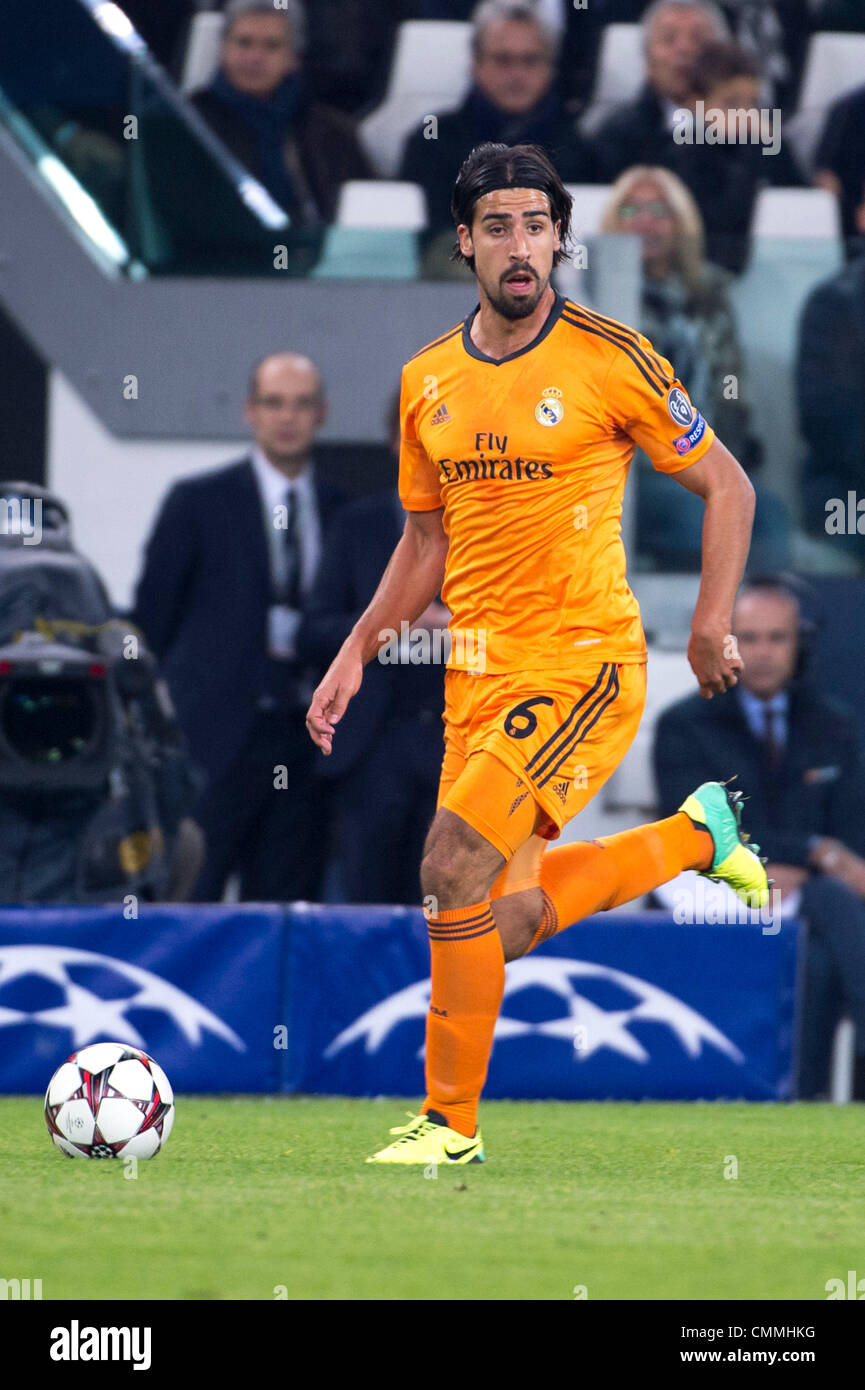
point(599, 1029)
point(87, 1015)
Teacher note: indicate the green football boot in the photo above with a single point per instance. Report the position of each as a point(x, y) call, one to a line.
point(736, 862)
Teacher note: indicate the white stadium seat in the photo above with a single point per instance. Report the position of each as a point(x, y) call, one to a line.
point(796, 213)
point(590, 200)
point(621, 72)
point(202, 50)
point(381, 203)
point(429, 76)
point(835, 64)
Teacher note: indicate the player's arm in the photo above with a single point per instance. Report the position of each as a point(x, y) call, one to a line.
point(410, 582)
point(729, 502)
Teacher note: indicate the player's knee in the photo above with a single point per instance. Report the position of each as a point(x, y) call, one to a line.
point(441, 875)
point(452, 877)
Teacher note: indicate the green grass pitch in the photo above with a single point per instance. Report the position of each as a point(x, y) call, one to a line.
point(255, 1198)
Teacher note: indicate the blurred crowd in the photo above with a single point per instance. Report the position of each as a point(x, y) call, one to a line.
point(291, 97)
point(294, 82)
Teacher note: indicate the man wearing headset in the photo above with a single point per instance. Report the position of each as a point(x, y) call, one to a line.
point(797, 750)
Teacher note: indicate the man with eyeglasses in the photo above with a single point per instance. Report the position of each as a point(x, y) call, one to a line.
point(228, 570)
point(514, 99)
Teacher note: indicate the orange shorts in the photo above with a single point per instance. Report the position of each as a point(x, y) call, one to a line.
point(525, 752)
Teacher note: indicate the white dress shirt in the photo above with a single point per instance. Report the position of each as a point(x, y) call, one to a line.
point(274, 488)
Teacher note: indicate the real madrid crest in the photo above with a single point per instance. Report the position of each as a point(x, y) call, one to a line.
point(549, 409)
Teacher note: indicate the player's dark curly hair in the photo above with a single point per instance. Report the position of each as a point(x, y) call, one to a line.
point(492, 166)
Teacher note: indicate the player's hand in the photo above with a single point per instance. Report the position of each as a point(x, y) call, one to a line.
point(832, 857)
point(715, 660)
point(331, 699)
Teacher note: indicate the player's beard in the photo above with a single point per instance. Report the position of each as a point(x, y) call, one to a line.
point(515, 307)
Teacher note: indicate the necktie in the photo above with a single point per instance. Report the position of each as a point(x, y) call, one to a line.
point(771, 736)
point(290, 588)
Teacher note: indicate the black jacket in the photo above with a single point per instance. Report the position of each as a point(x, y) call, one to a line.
point(202, 603)
point(322, 151)
point(818, 789)
point(359, 542)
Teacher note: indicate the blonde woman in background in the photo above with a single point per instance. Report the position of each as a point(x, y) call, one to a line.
point(686, 313)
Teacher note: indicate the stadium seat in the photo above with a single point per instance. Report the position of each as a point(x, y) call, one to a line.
point(363, 253)
point(202, 50)
point(767, 302)
point(796, 212)
point(834, 65)
point(620, 74)
point(429, 75)
point(590, 200)
point(381, 203)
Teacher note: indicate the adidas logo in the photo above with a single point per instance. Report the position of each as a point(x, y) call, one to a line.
point(440, 416)
point(561, 791)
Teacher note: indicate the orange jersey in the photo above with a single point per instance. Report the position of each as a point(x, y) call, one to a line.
point(529, 457)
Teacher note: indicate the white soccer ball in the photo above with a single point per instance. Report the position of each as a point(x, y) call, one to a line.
point(109, 1101)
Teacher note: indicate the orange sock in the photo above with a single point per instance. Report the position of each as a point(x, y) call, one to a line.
point(594, 875)
point(468, 980)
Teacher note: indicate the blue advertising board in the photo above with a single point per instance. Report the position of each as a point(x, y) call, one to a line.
point(622, 1007)
point(334, 1000)
point(197, 988)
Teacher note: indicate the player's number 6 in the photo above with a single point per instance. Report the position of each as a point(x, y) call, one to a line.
point(523, 711)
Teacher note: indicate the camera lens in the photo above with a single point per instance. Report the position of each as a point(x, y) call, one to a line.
point(48, 721)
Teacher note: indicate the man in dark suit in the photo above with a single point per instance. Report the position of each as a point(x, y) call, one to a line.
point(228, 567)
point(798, 754)
point(386, 764)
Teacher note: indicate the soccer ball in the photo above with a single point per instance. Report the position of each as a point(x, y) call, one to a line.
point(109, 1101)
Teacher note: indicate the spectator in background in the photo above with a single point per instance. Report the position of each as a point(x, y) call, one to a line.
point(685, 307)
point(725, 177)
point(839, 164)
point(349, 44)
point(830, 389)
point(798, 754)
point(686, 313)
point(514, 100)
point(777, 36)
point(640, 132)
point(386, 762)
point(227, 571)
point(301, 151)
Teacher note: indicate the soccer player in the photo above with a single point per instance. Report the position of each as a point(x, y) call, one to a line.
point(518, 426)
